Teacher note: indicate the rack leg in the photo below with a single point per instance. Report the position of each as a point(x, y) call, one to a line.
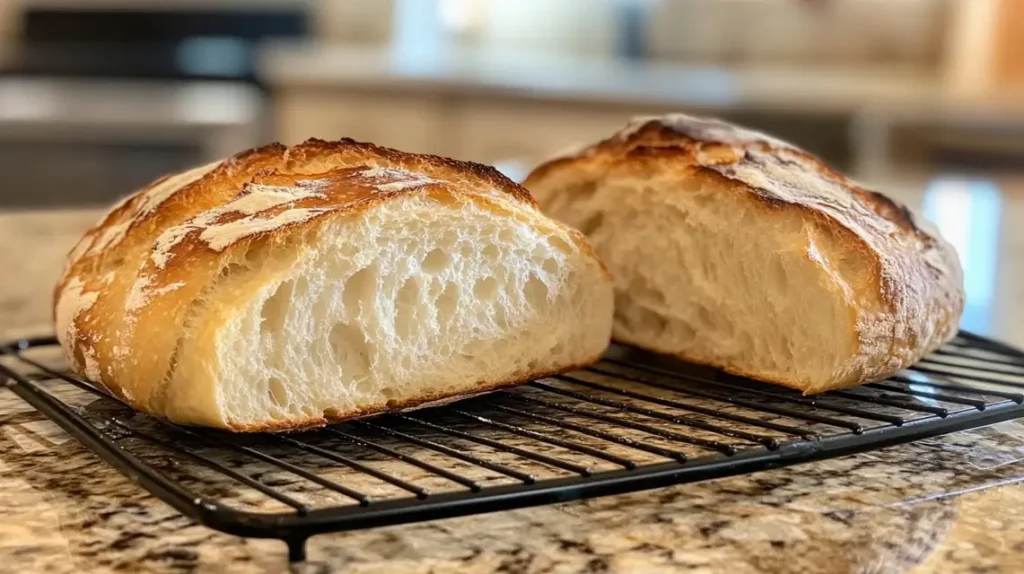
point(296, 549)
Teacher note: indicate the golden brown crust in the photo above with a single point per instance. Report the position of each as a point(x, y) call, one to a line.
point(908, 279)
point(143, 269)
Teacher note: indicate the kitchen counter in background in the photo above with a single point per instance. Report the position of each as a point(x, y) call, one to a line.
point(560, 77)
point(499, 106)
point(949, 504)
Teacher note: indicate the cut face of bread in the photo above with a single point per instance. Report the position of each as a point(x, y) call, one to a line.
point(733, 249)
point(404, 304)
point(736, 292)
point(287, 288)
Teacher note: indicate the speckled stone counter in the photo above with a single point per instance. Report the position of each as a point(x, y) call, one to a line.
point(949, 504)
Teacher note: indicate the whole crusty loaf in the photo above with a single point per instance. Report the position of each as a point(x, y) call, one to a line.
point(288, 287)
point(734, 249)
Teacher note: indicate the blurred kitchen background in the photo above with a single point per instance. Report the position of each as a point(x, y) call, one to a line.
point(920, 98)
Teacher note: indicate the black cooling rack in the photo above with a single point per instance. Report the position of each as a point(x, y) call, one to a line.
point(631, 422)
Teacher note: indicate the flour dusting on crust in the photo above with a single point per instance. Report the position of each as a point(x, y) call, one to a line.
point(154, 197)
point(92, 366)
point(161, 252)
point(78, 251)
point(137, 297)
point(218, 237)
point(141, 294)
point(704, 130)
point(146, 202)
point(401, 179)
point(73, 301)
point(254, 200)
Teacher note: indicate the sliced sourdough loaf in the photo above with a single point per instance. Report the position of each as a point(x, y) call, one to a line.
point(734, 249)
point(286, 288)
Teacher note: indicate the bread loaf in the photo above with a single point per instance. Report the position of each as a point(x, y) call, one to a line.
point(734, 249)
point(286, 288)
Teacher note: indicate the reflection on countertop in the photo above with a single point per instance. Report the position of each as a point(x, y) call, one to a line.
point(950, 504)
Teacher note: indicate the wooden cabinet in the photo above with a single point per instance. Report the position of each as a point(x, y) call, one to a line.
point(984, 54)
point(1009, 51)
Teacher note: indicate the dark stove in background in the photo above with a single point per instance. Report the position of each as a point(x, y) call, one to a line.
point(96, 102)
point(187, 44)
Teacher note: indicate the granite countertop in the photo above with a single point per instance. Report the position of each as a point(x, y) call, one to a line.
point(948, 504)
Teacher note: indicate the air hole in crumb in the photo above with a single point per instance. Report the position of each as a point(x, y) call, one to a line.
point(491, 252)
point(485, 288)
point(251, 257)
point(389, 393)
point(447, 302)
point(506, 235)
point(277, 392)
point(364, 387)
point(360, 287)
point(550, 266)
point(405, 308)
point(275, 308)
point(500, 317)
point(350, 349)
point(536, 291)
point(436, 261)
point(449, 239)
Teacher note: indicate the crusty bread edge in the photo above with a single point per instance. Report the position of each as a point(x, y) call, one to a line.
point(806, 390)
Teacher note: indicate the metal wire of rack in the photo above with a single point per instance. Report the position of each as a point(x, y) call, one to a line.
point(631, 422)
